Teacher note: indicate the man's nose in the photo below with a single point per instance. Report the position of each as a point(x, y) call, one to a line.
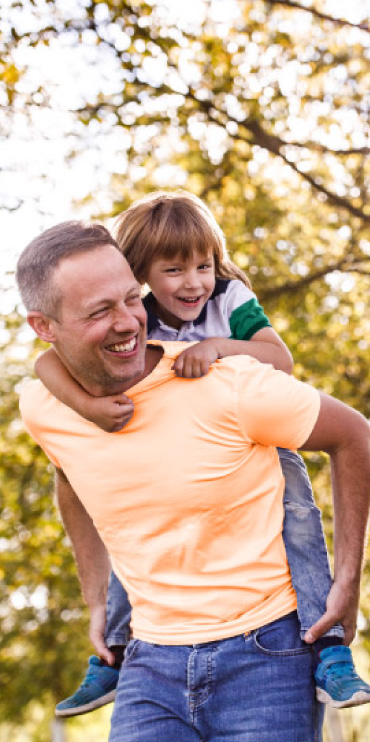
point(125, 320)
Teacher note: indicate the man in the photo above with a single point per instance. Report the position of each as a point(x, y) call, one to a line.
point(187, 500)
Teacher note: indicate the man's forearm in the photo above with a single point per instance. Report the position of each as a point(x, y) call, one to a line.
point(91, 555)
point(350, 472)
point(345, 435)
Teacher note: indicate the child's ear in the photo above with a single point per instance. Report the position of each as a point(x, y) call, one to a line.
point(42, 325)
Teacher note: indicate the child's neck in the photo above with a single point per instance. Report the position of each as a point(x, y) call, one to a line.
point(169, 319)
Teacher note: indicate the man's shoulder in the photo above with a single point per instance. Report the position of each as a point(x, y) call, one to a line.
point(32, 395)
point(243, 363)
point(38, 406)
point(171, 348)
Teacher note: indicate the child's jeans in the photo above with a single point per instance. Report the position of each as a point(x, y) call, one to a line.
point(305, 544)
point(306, 551)
point(117, 627)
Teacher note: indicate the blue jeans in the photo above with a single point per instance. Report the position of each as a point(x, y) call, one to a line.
point(117, 626)
point(253, 688)
point(306, 552)
point(305, 544)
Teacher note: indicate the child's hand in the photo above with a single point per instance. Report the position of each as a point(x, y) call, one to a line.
point(195, 361)
point(109, 413)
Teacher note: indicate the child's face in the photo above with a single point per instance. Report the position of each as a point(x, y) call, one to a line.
point(181, 288)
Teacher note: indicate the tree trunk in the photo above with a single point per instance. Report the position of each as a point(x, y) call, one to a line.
point(57, 731)
point(334, 725)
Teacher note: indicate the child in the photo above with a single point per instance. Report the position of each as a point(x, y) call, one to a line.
point(173, 244)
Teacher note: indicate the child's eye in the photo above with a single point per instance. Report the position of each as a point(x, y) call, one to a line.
point(205, 266)
point(172, 270)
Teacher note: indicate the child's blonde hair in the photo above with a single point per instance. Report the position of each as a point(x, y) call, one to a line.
point(167, 225)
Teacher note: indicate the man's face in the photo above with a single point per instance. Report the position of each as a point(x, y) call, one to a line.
point(100, 334)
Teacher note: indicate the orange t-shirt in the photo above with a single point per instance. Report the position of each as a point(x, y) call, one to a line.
point(188, 496)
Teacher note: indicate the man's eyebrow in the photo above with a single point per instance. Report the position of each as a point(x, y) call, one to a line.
point(135, 287)
point(97, 303)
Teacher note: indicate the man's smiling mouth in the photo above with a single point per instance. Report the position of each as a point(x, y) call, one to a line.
point(122, 347)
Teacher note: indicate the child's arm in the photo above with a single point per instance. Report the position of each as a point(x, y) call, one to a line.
point(265, 345)
point(109, 413)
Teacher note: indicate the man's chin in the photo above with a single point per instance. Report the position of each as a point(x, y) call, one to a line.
point(125, 375)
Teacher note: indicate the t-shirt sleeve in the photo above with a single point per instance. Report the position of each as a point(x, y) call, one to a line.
point(30, 406)
point(276, 409)
point(246, 315)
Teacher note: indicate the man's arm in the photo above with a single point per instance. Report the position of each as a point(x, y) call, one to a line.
point(91, 557)
point(345, 435)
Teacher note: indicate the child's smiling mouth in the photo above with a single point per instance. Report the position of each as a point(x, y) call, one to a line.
point(189, 299)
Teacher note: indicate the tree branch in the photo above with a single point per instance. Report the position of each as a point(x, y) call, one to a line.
point(319, 14)
point(293, 287)
point(275, 145)
point(317, 147)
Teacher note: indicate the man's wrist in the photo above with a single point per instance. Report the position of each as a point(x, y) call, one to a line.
point(348, 581)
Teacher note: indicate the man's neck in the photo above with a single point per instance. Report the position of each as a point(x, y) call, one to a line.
point(153, 355)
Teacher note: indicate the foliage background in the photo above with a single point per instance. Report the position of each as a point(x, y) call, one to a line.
point(260, 108)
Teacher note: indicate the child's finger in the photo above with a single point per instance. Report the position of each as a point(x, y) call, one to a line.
point(205, 364)
point(192, 369)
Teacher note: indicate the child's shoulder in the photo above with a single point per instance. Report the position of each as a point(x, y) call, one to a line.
point(231, 292)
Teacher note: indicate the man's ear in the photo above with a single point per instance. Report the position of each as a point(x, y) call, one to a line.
point(42, 325)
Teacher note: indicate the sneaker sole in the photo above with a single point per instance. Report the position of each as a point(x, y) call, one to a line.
point(87, 707)
point(357, 699)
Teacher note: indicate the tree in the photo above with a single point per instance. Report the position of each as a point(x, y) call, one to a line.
point(263, 112)
point(41, 610)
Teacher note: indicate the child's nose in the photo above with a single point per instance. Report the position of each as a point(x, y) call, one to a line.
point(192, 279)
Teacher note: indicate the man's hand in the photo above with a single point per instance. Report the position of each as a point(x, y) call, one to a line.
point(341, 607)
point(109, 413)
point(196, 360)
point(96, 634)
point(92, 559)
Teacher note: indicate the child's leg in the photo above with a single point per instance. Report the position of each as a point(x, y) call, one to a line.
point(305, 544)
point(117, 628)
point(337, 682)
point(99, 684)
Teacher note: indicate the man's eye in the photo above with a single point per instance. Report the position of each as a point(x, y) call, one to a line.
point(133, 299)
point(98, 312)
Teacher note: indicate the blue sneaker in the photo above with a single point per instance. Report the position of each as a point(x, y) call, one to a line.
point(97, 689)
point(337, 682)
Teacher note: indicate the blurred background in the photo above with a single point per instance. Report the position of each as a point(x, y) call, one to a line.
point(261, 109)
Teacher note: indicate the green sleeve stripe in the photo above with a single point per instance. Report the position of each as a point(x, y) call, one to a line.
point(247, 319)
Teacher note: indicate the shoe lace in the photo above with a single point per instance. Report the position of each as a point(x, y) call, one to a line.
point(341, 669)
point(89, 677)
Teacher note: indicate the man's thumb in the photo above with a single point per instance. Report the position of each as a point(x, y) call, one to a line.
point(318, 629)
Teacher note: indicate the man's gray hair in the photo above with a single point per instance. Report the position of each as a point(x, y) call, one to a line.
point(38, 261)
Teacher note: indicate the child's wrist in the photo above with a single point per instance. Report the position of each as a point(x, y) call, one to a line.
point(221, 347)
point(88, 408)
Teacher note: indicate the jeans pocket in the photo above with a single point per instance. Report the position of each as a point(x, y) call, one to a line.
point(281, 638)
